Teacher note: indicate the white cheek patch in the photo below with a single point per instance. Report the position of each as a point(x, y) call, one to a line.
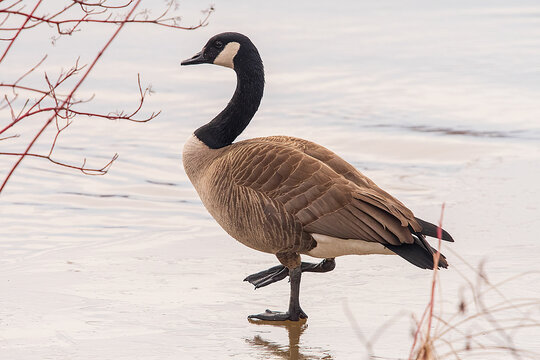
point(226, 56)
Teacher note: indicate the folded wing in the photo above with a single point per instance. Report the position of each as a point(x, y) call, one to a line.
point(328, 195)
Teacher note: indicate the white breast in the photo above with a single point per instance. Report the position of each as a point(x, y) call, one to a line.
point(193, 145)
point(196, 157)
point(329, 247)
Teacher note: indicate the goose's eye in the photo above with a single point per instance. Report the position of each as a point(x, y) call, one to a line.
point(218, 44)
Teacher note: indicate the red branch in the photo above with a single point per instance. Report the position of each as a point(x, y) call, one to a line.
point(88, 171)
point(19, 30)
point(429, 308)
point(161, 20)
point(68, 98)
point(436, 258)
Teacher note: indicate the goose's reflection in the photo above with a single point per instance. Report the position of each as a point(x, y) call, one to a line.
point(295, 329)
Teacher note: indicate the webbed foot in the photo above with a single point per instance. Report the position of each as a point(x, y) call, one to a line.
point(280, 272)
point(269, 315)
point(267, 277)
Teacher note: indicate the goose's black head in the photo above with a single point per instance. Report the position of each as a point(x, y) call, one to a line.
point(229, 49)
point(237, 52)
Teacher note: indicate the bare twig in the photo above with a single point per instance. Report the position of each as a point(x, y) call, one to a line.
point(88, 171)
point(89, 17)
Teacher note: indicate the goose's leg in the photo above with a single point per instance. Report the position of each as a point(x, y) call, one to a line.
point(295, 312)
point(280, 272)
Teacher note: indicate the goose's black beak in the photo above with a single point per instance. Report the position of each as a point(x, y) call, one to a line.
point(198, 58)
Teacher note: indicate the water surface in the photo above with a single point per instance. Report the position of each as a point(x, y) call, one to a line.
point(435, 102)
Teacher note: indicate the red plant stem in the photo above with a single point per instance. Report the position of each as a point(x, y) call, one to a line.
point(68, 98)
point(417, 332)
point(43, 19)
point(431, 304)
point(87, 171)
point(20, 87)
point(20, 117)
point(19, 31)
point(436, 258)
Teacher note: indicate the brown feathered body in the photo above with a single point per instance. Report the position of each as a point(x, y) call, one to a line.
point(284, 195)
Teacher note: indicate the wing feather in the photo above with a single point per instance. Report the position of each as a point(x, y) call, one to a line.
point(325, 193)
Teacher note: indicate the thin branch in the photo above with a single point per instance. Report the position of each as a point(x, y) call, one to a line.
point(102, 4)
point(171, 22)
point(122, 115)
point(9, 137)
point(88, 171)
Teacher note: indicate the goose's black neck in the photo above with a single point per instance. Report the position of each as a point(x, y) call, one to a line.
point(230, 123)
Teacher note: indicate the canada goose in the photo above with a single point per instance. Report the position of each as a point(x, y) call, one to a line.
point(288, 196)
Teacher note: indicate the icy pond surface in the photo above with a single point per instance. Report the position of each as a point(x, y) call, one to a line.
point(435, 103)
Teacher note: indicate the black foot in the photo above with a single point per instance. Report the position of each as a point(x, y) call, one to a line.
point(280, 272)
point(269, 315)
point(267, 277)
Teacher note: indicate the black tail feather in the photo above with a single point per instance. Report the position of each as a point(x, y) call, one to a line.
point(430, 229)
point(419, 253)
